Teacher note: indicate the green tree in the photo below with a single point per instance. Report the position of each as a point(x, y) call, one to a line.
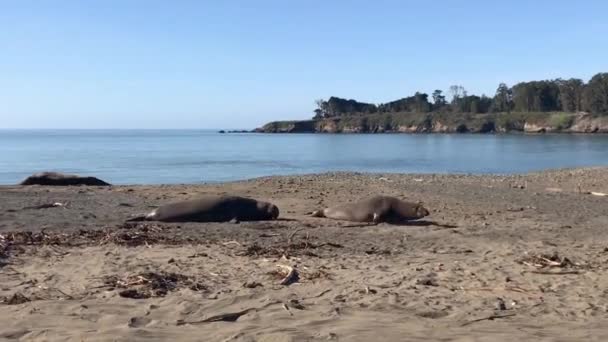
point(571, 94)
point(484, 104)
point(536, 96)
point(321, 110)
point(458, 93)
point(422, 104)
point(438, 99)
point(336, 106)
point(418, 103)
point(503, 100)
point(596, 94)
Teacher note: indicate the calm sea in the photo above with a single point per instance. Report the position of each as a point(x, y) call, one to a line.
point(194, 156)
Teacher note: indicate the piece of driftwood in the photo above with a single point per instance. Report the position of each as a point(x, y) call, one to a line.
point(232, 242)
point(287, 309)
point(506, 288)
point(291, 236)
point(318, 295)
point(555, 273)
point(601, 194)
point(488, 318)
point(226, 317)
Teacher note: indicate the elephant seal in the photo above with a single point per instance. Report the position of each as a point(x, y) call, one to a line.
point(61, 179)
point(375, 209)
point(213, 209)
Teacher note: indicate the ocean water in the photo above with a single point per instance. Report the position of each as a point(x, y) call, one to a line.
point(195, 156)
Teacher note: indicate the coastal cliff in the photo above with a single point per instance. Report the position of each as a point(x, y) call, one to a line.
point(558, 105)
point(446, 123)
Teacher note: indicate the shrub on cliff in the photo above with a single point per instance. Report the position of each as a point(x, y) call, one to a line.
point(561, 121)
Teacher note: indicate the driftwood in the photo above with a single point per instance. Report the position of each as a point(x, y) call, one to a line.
point(287, 309)
point(318, 295)
point(547, 261)
point(291, 236)
point(226, 317)
point(506, 288)
point(555, 273)
point(488, 318)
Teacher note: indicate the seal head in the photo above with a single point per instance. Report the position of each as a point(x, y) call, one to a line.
point(421, 211)
point(270, 209)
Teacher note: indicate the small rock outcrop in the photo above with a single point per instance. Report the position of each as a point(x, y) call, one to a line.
point(304, 126)
point(61, 179)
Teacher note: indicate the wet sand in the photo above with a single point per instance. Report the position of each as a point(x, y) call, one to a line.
point(499, 258)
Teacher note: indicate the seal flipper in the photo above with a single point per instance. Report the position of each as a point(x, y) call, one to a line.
point(379, 218)
point(317, 213)
point(138, 218)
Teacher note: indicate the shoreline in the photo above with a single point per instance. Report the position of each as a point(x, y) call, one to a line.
point(515, 133)
point(72, 268)
point(346, 174)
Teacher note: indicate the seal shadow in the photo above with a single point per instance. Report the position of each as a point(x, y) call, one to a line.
point(420, 223)
point(285, 219)
point(424, 223)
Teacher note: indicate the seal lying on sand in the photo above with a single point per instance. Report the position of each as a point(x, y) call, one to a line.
point(61, 179)
point(375, 209)
point(213, 209)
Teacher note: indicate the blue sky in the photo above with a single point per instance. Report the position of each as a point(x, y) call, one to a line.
point(239, 64)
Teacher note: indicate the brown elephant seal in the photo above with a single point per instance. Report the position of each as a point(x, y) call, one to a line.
point(213, 209)
point(375, 209)
point(61, 179)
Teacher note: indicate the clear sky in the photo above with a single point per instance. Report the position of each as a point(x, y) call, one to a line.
point(239, 64)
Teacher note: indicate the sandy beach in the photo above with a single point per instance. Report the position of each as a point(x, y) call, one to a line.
point(499, 258)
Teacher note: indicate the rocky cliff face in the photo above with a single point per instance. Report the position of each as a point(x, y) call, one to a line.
point(538, 128)
point(327, 126)
point(588, 124)
point(481, 123)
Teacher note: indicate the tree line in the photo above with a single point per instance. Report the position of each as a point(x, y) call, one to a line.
point(572, 95)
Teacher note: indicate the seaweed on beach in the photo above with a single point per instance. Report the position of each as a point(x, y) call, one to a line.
point(15, 299)
point(544, 260)
point(291, 249)
point(151, 284)
point(130, 235)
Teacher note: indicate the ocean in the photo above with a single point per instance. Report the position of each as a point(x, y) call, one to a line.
point(202, 156)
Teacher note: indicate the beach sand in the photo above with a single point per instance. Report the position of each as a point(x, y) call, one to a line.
point(500, 258)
